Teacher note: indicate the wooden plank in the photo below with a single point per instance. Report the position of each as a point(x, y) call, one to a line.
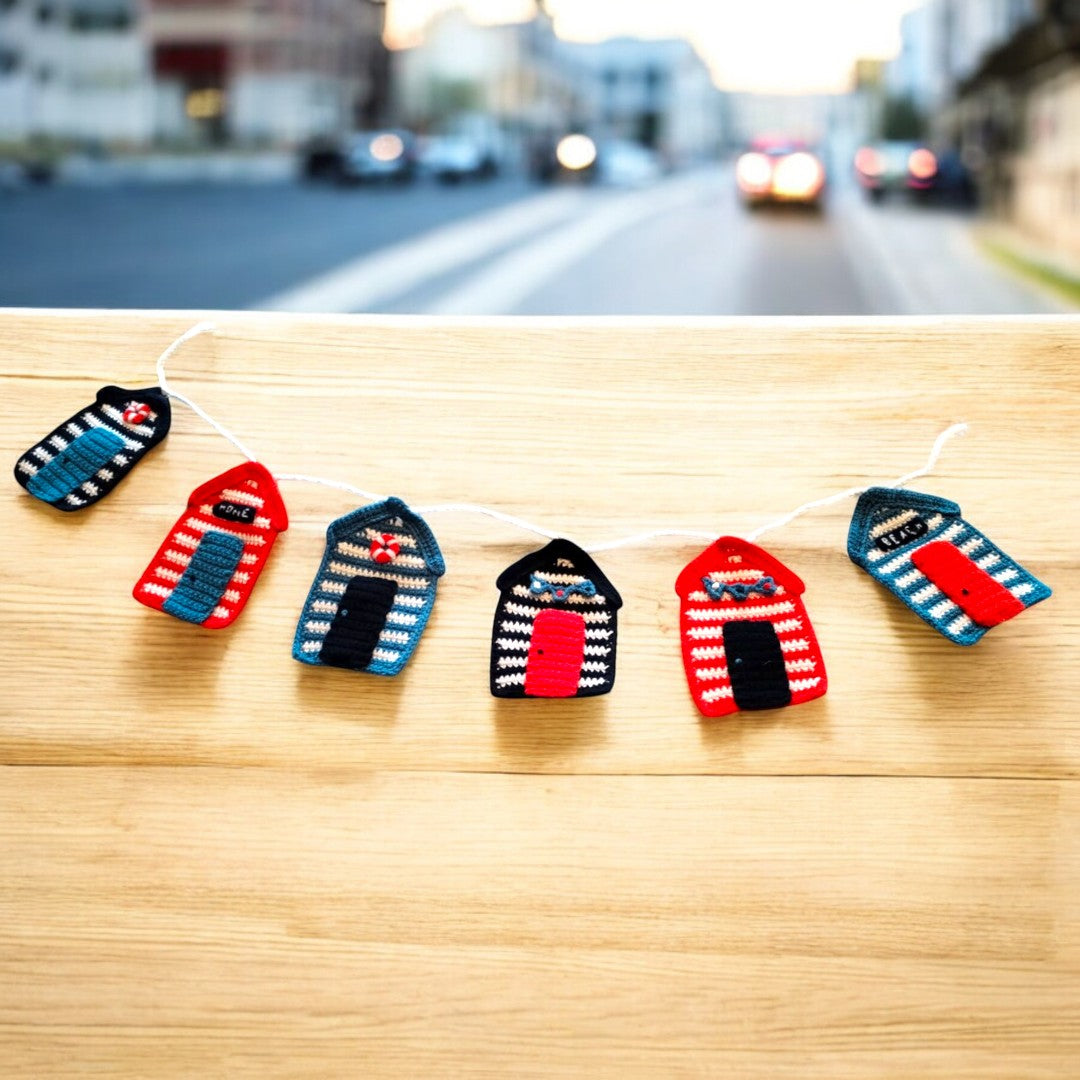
point(595, 428)
point(201, 921)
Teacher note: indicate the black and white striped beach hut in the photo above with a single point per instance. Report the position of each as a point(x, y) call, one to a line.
point(555, 626)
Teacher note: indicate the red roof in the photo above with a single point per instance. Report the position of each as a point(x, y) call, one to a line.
point(265, 487)
point(730, 553)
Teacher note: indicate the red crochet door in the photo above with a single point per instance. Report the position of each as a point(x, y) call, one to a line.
point(556, 653)
point(979, 596)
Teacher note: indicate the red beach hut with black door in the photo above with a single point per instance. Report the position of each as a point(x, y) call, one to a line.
point(746, 638)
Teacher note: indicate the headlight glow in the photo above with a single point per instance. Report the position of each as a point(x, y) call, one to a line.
point(575, 152)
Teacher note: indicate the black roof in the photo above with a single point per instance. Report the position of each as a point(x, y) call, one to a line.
point(560, 549)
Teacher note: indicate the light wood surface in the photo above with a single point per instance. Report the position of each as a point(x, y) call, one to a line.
point(217, 862)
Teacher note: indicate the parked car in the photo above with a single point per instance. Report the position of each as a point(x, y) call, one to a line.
point(623, 163)
point(453, 158)
point(778, 170)
point(904, 167)
point(363, 157)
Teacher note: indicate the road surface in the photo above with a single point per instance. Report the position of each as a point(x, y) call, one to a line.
point(684, 247)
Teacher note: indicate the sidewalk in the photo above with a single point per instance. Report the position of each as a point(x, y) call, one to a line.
point(1052, 270)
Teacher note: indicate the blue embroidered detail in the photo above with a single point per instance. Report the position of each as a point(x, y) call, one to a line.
point(70, 468)
point(716, 589)
point(541, 585)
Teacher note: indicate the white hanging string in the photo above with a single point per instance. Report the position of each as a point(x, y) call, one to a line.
point(163, 382)
point(520, 523)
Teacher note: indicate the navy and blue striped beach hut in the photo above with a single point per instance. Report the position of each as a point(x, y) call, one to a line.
point(374, 591)
point(950, 574)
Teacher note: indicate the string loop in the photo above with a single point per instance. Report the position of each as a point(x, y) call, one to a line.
point(520, 523)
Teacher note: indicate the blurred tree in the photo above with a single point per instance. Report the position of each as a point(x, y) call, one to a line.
point(901, 119)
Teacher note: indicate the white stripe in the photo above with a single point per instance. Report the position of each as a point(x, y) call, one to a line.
point(324, 607)
point(184, 540)
point(57, 442)
point(311, 646)
point(401, 618)
point(912, 576)
point(804, 684)
point(735, 575)
point(742, 610)
point(394, 637)
point(315, 627)
point(792, 666)
point(220, 612)
point(74, 500)
point(958, 625)
point(717, 693)
point(1022, 590)
point(359, 571)
point(73, 429)
point(508, 627)
point(597, 635)
point(26, 467)
point(201, 526)
point(169, 575)
point(786, 626)
point(42, 454)
point(943, 608)
point(248, 498)
point(513, 661)
point(89, 487)
point(594, 665)
point(891, 523)
point(711, 674)
point(587, 683)
point(514, 644)
point(156, 589)
point(231, 595)
point(707, 652)
point(387, 656)
point(927, 592)
point(516, 678)
point(104, 474)
point(176, 557)
point(597, 650)
point(968, 546)
point(415, 602)
point(241, 577)
point(988, 560)
point(1006, 575)
point(795, 645)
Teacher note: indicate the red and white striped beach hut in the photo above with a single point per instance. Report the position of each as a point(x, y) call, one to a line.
point(746, 638)
point(209, 562)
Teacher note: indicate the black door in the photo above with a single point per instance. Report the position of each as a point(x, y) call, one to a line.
point(354, 634)
point(755, 664)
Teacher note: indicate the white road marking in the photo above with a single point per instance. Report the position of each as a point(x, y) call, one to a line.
point(364, 282)
point(503, 284)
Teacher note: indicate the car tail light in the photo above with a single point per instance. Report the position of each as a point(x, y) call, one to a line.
point(870, 162)
point(922, 165)
point(798, 176)
point(753, 173)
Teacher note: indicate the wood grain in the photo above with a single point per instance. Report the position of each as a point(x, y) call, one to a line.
point(217, 862)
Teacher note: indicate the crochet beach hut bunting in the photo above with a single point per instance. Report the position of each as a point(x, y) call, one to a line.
point(82, 460)
point(373, 593)
point(921, 548)
point(208, 564)
point(555, 626)
point(747, 642)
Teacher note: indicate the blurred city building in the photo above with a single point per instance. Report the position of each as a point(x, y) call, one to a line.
point(74, 70)
point(659, 93)
point(265, 71)
point(655, 92)
point(998, 81)
point(509, 72)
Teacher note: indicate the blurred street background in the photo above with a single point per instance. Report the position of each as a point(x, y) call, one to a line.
point(569, 157)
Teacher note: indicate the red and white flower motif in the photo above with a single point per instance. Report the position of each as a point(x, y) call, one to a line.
point(385, 548)
point(136, 413)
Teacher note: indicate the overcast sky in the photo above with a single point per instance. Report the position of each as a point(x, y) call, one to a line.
point(770, 45)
